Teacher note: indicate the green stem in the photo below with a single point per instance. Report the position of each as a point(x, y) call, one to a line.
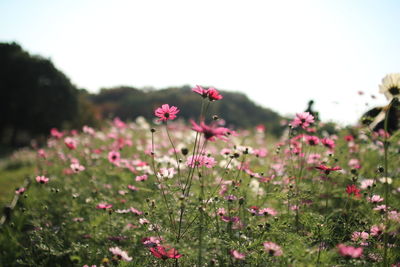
point(386, 188)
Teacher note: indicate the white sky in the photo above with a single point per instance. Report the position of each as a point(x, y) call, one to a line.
point(279, 53)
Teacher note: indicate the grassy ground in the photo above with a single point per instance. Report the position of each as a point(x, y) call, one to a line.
point(11, 179)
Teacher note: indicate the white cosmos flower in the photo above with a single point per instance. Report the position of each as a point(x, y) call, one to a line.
point(390, 86)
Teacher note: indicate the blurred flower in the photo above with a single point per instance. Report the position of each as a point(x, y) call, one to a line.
point(20, 191)
point(272, 249)
point(133, 188)
point(377, 230)
point(375, 199)
point(120, 254)
point(349, 251)
point(390, 86)
point(42, 179)
point(329, 143)
point(114, 156)
point(55, 133)
point(141, 178)
point(367, 183)
point(303, 119)
point(104, 206)
point(70, 143)
point(151, 241)
point(199, 161)
point(327, 169)
point(210, 132)
point(76, 167)
point(354, 164)
point(237, 255)
point(166, 112)
point(312, 140)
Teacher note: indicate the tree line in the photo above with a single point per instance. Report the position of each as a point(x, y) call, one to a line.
point(35, 97)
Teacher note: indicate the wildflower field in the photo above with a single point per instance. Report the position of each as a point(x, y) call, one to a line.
point(200, 194)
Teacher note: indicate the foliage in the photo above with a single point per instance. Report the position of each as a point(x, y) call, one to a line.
point(248, 201)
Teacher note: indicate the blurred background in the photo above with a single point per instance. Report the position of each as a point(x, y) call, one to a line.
point(66, 64)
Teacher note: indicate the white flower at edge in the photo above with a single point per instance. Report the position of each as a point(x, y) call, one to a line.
point(390, 86)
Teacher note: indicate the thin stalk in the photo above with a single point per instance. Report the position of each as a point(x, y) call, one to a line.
point(170, 213)
point(176, 155)
point(386, 188)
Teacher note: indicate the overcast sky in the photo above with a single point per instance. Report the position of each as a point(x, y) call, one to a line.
point(279, 53)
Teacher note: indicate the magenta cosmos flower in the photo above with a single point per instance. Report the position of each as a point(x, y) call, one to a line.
point(160, 252)
point(166, 112)
point(210, 132)
point(326, 169)
point(303, 120)
point(211, 93)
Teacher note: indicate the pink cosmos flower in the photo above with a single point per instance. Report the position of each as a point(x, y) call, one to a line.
point(329, 143)
point(166, 112)
point(312, 140)
point(260, 153)
point(120, 254)
point(377, 230)
point(327, 169)
point(273, 249)
point(42, 179)
point(268, 211)
point(76, 167)
point(135, 211)
point(42, 153)
point(141, 178)
point(221, 211)
point(313, 158)
point(114, 156)
point(151, 241)
point(119, 123)
point(70, 143)
point(55, 133)
point(356, 236)
point(349, 251)
point(303, 120)
point(381, 208)
point(199, 161)
point(88, 130)
point(104, 206)
point(160, 252)
point(367, 183)
point(143, 221)
point(20, 191)
point(210, 132)
point(237, 255)
point(132, 188)
point(211, 93)
point(200, 90)
point(375, 199)
point(354, 164)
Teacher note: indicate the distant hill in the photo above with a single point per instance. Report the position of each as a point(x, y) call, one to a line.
point(236, 108)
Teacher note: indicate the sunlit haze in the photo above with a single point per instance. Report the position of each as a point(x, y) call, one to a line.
point(279, 53)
